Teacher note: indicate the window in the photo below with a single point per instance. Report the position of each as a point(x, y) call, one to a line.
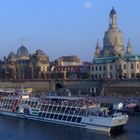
point(111, 75)
point(110, 67)
point(100, 68)
point(124, 66)
point(120, 66)
point(92, 68)
point(69, 118)
point(132, 66)
point(96, 76)
point(96, 68)
point(137, 66)
point(132, 75)
point(104, 68)
point(124, 75)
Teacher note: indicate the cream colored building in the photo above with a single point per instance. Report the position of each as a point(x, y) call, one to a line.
point(72, 60)
point(114, 60)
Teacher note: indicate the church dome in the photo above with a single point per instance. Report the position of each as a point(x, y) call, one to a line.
point(22, 51)
point(12, 55)
point(113, 12)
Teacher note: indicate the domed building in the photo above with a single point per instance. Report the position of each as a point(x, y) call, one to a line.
point(22, 66)
point(113, 60)
point(12, 57)
point(113, 39)
point(39, 62)
point(22, 53)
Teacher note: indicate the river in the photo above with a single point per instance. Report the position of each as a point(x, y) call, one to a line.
point(20, 129)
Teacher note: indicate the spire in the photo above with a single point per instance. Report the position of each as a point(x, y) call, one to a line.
point(112, 19)
point(129, 47)
point(97, 51)
point(97, 44)
point(128, 43)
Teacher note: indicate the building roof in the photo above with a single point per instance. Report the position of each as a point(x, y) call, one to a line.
point(112, 59)
point(72, 58)
point(22, 51)
point(12, 55)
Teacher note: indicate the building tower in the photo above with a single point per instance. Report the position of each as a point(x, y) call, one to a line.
point(129, 48)
point(97, 51)
point(113, 19)
point(112, 35)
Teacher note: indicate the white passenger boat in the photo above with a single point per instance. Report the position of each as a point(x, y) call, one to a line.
point(73, 111)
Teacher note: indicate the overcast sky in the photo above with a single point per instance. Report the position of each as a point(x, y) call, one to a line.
point(65, 27)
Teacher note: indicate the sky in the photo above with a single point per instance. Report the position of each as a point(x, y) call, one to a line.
point(65, 27)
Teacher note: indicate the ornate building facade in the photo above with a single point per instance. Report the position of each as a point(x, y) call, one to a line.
point(70, 67)
point(114, 60)
point(22, 65)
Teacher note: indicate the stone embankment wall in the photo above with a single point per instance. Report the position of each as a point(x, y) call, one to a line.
point(77, 86)
point(107, 88)
point(121, 88)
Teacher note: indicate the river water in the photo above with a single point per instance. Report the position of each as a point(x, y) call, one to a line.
point(20, 129)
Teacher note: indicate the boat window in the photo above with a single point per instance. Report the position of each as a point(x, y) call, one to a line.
point(73, 119)
point(46, 107)
point(9, 107)
point(54, 108)
point(43, 115)
point(1, 100)
point(51, 116)
point(67, 110)
point(59, 117)
point(26, 102)
point(48, 114)
point(29, 102)
point(50, 108)
point(5, 106)
point(69, 118)
point(10, 101)
point(58, 109)
point(64, 117)
point(56, 116)
point(82, 112)
point(42, 107)
point(79, 119)
point(40, 113)
point(7, 101)
point(39, 105)
point(63, 109)
point(32, 103)
point(35, 104)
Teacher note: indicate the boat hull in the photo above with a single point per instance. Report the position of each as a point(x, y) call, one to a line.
point(94, 127)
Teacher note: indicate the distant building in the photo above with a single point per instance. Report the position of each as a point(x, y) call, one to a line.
point(70, 67)
point(68, 61)
point(114, 60)
point(22, 65)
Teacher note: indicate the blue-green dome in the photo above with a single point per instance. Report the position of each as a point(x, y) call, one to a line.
point(22, 51)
